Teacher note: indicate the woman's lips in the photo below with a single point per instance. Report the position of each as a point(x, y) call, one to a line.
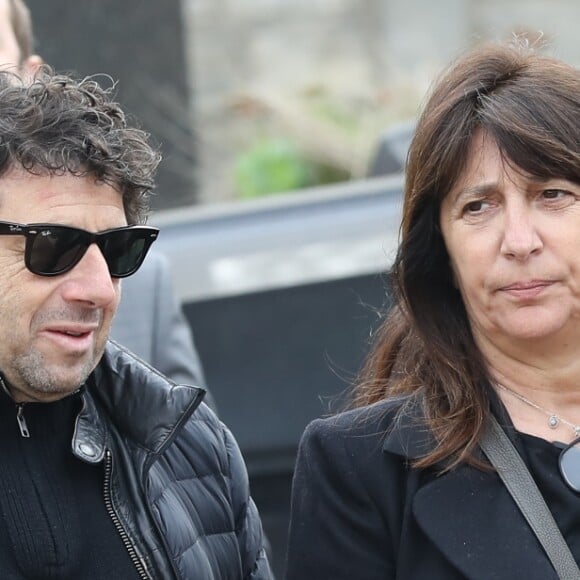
point(526, 290)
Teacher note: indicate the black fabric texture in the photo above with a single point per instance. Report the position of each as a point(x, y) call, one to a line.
point(53, 519)
point(542, 459)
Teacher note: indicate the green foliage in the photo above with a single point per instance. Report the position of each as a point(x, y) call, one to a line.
point(342, 115)
point(274, 165)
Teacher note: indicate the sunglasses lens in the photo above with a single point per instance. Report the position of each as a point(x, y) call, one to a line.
point(125, 249)
point(570, 465)
point(54, 250)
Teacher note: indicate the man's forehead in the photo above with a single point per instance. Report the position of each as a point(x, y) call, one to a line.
point(17, 181)
point(60, 198)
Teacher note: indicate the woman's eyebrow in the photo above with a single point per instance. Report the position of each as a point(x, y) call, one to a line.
point(479, 190)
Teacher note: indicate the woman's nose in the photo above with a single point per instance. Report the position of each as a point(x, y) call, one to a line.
point(520, 236)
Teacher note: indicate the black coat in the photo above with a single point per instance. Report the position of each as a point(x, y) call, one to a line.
point(359, 512)
point(175, 481)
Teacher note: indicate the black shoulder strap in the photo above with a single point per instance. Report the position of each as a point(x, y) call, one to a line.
point(515, 475)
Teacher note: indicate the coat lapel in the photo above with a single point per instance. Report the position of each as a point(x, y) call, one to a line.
point(470, 517)
point(473, 520)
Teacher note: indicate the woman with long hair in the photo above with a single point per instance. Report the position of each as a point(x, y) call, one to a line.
point(484, 330)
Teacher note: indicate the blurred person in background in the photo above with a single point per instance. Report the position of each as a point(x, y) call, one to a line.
point(482, 345)
point(150, 319)
point(150, 322)
point(16, 39)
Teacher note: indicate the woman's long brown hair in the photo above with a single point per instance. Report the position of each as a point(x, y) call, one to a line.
point(530, 105)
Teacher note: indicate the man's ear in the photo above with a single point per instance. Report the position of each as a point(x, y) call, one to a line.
point(31, 65)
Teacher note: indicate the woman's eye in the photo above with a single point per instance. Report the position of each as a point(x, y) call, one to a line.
point(554, 193)
point(474, 207)
point(558, 198)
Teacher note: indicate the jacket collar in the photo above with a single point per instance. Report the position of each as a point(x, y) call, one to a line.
point(467, 513)
point(144, 406)
point(409, 436)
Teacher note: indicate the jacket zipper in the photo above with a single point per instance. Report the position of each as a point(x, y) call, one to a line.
point(22, 421)
point(137, 562)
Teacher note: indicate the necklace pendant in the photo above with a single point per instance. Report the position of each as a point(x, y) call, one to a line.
point(553, 421)
point(577, 430)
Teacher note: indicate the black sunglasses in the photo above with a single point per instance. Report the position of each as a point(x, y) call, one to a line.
point(53, 249)
point(570, 465)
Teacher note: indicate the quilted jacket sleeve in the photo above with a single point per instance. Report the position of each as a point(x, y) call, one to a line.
point(249, 532)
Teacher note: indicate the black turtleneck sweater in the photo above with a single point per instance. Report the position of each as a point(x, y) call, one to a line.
point(53, 519)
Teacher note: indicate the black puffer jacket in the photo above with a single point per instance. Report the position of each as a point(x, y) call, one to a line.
point(176, 485)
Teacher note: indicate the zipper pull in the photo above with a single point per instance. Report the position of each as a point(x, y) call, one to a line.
point(22, 421)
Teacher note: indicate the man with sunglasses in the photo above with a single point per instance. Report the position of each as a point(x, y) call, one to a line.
point(149, 320)
point(108, 469)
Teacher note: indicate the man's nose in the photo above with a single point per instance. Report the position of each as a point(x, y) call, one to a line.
point(90, 281)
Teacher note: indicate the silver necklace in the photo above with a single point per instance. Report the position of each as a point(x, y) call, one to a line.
point(554, 420)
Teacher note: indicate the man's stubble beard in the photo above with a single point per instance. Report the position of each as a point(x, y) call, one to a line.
point(30, 373)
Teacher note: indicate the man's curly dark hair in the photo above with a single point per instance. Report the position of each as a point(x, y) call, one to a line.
point(56, 124)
